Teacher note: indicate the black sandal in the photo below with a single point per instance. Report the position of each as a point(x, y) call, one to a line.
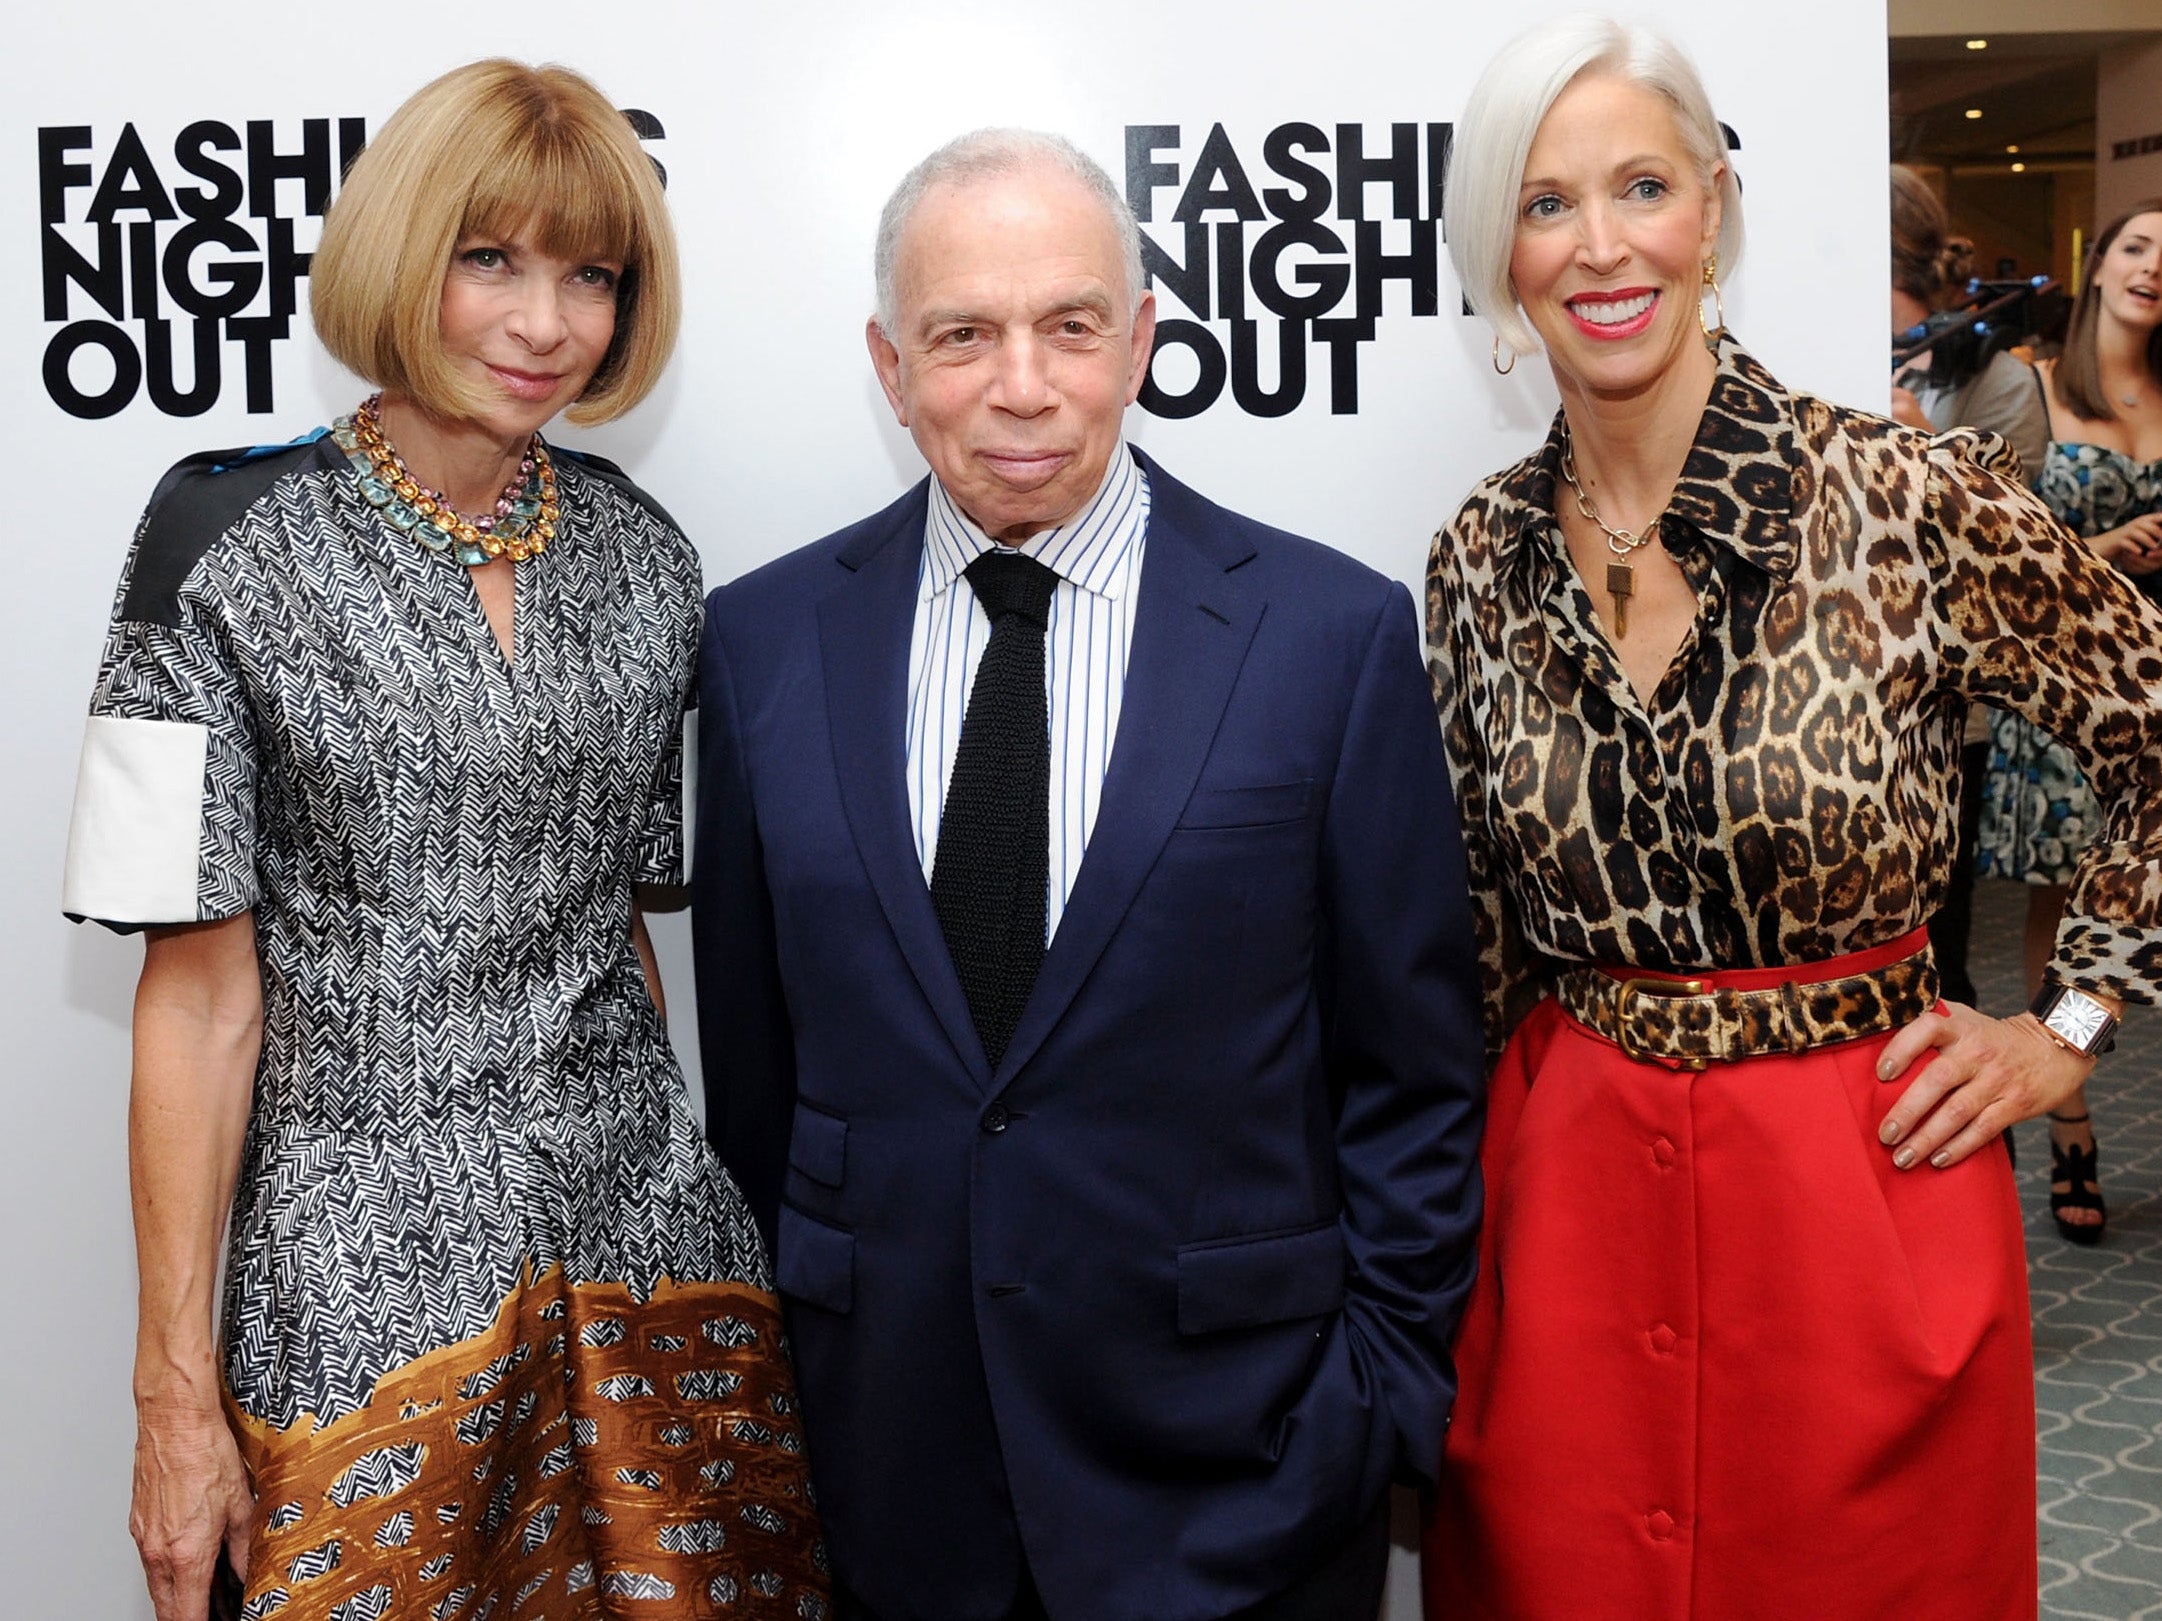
point(2075, 1167)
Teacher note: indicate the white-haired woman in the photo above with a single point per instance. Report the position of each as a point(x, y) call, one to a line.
point(1750, 1333)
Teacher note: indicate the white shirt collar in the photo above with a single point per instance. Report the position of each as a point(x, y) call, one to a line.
point(1090, 549)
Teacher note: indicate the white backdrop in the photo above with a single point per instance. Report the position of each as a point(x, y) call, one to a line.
point(783, 128)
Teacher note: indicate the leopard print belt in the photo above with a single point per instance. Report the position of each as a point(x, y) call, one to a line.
point(1684, 1023)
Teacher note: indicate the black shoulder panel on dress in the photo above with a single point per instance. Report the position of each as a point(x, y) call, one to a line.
point(608, 472)
point(196, 502)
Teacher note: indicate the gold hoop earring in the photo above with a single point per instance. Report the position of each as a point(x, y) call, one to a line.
point(1499, 369)
point(1711, 333)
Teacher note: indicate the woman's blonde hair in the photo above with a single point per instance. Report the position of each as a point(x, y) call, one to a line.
point(494, 149)
point(1493, 137)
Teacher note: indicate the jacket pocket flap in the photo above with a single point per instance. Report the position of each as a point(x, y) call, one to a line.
point(1255, 806)
point(1245, 1282)
point(818, 1147)
point(814, 1263)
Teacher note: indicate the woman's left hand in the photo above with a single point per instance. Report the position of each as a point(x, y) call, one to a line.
point(1986, 1075)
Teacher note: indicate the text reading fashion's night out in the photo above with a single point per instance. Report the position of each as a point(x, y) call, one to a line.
point(166, 271)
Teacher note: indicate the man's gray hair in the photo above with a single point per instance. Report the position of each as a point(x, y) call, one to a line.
point(979, 155)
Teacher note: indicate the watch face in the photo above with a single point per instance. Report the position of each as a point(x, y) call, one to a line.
point(2079, 1019)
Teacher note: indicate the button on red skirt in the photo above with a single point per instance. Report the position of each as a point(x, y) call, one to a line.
point(1723, 1362)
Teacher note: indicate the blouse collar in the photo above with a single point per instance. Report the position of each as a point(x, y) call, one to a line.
point(1739, 485)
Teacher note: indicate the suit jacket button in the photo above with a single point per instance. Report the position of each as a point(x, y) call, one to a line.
point(995, 1118)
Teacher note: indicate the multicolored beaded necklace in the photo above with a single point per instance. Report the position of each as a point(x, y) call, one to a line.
point(522, 525)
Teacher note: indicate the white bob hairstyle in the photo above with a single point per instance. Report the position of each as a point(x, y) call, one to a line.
point(979, 155)
point(1493, 140)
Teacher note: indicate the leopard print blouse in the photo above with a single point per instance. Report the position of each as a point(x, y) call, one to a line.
point(1791, 791)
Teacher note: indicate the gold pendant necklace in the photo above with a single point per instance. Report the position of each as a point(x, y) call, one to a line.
point(1621, 577)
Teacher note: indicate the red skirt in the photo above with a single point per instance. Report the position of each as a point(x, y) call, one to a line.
point(1723, 1362)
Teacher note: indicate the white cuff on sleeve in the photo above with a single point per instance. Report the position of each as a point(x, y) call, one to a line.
point(136, 836)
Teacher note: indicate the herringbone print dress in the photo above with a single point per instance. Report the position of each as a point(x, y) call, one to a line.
point(499, 1339)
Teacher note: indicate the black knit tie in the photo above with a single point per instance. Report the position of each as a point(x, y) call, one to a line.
point(993, 867)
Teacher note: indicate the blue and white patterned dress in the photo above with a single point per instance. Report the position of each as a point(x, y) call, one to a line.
point(2038, 813)
point(498, 1333)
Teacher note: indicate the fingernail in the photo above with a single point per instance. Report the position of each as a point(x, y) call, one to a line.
point(1889, 1131)
point(1904, 1159)
point(1884, 1069)
point(1941, 1158)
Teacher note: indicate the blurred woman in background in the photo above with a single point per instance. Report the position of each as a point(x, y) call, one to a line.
point(1961, 381)
point(2102, 475)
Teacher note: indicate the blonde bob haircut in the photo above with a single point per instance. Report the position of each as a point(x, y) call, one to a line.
point(494, 149)
point(1493, 140)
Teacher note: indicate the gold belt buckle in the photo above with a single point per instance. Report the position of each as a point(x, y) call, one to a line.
point(1647, 986)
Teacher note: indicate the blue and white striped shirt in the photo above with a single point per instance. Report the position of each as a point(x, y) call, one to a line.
point(1097, 557)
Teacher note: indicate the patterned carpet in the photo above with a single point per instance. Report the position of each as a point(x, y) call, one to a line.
point(2097, 1319)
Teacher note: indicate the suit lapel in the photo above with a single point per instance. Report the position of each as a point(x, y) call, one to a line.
point(1195, 621)
point(864, 624)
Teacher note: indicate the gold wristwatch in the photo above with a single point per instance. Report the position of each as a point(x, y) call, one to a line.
point(2075, 1020)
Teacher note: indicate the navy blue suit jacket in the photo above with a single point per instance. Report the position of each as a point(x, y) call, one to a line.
point(1166, 1298)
